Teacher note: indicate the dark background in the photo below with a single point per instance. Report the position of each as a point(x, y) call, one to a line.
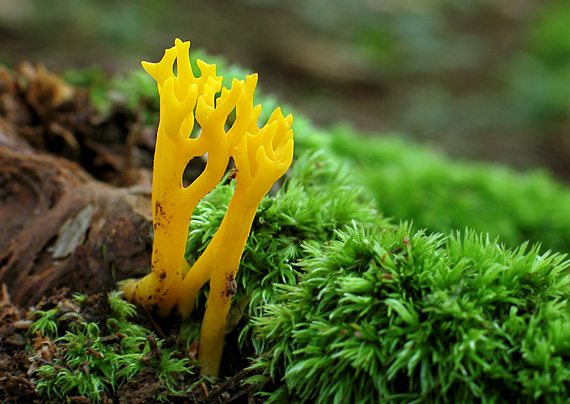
point(480, 79)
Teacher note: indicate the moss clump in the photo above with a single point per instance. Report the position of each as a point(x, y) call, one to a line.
point(411, 182)
point(94, 360)
point(396, 316)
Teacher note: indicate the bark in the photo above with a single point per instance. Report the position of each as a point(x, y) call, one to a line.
point(60, 225)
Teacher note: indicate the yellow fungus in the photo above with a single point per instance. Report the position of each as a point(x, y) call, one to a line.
point(261, 156)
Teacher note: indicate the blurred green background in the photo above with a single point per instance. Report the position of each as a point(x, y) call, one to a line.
point(480, 79)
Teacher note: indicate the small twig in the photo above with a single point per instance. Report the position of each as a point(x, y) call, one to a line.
point(111, 338)
point(235, 396)
point(225, 385)
point(154, 352)
point(156, 327)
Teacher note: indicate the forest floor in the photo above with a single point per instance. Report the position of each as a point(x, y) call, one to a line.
point(22, 354)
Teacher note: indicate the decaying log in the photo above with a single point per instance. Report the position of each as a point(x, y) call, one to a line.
point(61, 226)
point(53, 117)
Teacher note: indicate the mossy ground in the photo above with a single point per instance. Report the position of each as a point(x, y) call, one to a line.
point(335, 302)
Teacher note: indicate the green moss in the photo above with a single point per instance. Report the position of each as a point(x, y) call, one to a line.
point(413, 183)
point(398, 316)
point(93, 363)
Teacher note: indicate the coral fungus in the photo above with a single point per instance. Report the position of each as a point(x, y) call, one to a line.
point(261, 156)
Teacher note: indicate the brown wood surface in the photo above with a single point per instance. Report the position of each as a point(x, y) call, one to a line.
point(61, 226)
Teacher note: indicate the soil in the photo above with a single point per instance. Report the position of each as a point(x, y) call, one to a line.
point(21, 354)
point(75, 206)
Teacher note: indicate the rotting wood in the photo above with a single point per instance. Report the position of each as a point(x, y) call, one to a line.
point(61, 226)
